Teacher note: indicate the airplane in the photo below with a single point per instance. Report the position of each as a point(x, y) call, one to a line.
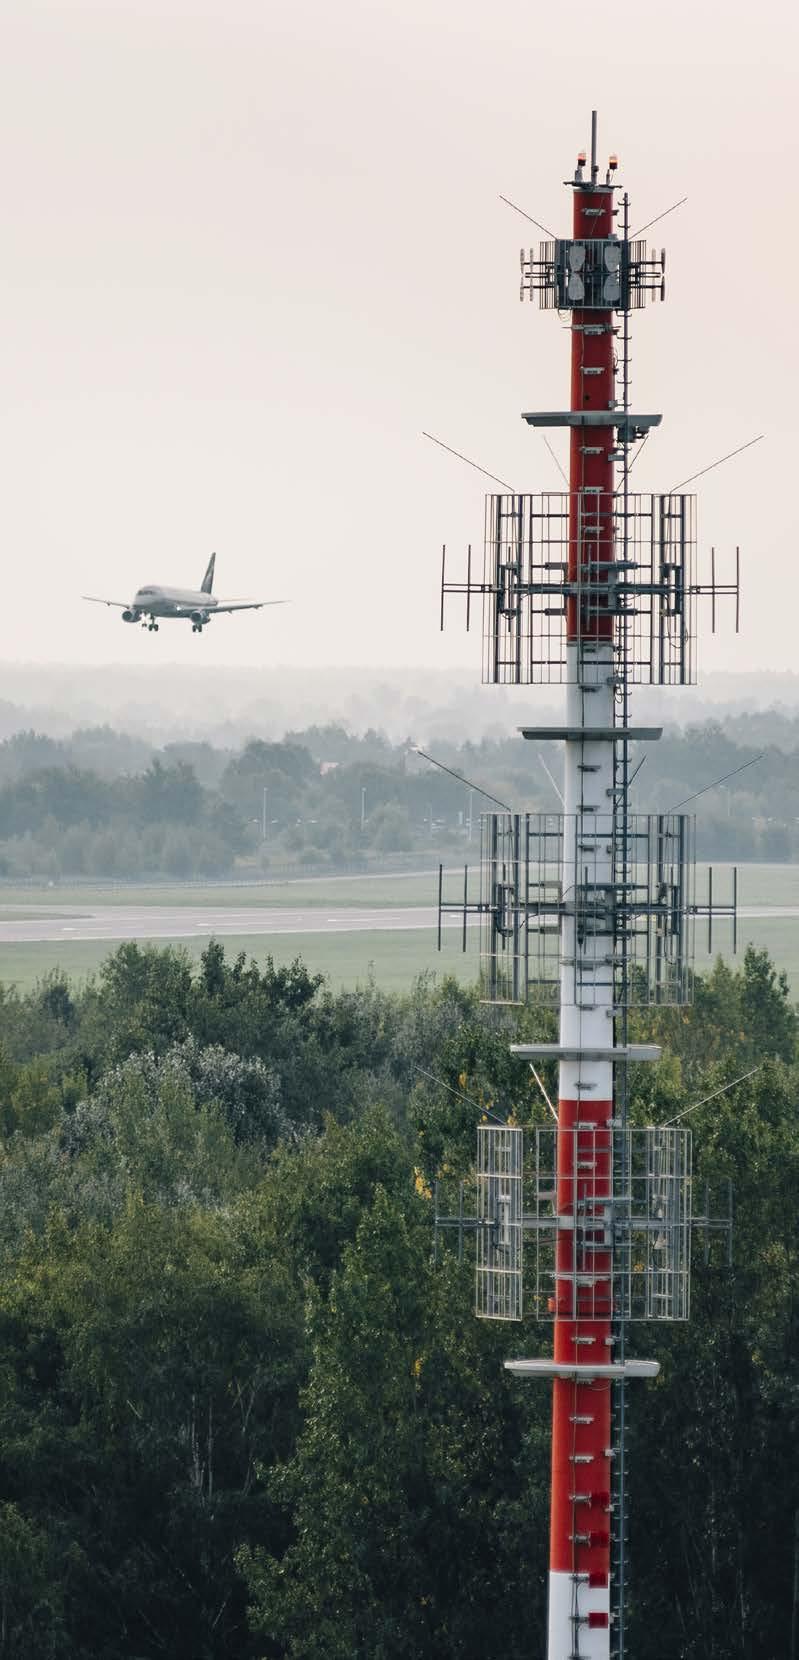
point(198, 605)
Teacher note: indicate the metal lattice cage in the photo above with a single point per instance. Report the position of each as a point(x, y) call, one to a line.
point(500, 1217)
point(631, 898)
point(637, 568)
point(631, 1248)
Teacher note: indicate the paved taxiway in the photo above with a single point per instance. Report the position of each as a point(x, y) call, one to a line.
point(153, 922)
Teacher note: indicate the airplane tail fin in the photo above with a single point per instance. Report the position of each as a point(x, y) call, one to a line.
point(208, 580)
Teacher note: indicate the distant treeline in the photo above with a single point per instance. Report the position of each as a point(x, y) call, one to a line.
point(105, 804)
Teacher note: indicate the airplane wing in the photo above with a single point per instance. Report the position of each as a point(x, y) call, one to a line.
point(246, 605)
point(121, 604)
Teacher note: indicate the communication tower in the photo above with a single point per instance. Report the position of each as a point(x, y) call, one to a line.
point(592, 909)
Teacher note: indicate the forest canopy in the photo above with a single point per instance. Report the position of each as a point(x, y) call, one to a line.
point(246, 1411)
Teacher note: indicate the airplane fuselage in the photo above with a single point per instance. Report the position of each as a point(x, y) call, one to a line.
point(171, 602)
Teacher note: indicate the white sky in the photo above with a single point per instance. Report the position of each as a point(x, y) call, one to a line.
point(251, 250)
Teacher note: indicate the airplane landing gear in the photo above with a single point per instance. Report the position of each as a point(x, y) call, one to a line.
point(151, 625)
point(196, 628)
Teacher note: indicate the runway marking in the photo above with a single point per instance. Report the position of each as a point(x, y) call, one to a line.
point(151, 922)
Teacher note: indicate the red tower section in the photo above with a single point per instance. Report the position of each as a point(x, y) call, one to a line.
point(593, 388)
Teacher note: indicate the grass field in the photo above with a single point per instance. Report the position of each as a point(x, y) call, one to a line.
point(348, 959)
point(395, 959)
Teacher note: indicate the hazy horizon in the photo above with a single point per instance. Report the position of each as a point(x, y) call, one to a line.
point(177, 700)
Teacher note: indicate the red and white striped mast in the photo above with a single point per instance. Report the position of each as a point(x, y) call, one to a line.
point(579, 1562)
point(588, 1359)
point(594, 590)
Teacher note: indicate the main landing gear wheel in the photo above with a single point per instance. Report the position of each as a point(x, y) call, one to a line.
point(152, 626)
point(196, 628)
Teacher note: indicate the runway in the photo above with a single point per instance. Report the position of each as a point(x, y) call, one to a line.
point(153, 922)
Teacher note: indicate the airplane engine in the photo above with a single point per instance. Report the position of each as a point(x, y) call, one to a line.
point(131, 616)
point(199, 618)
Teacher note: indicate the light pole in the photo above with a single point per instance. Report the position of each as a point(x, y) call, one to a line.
point(363, 808)
point(264, 819)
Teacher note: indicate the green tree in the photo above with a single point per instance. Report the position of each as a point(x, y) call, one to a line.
point(148, 1368)
point(390, 829)
point(143, 999)
point(32, 1589)
point(408, 1505)
point(170, 793)
point(717, 1484)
